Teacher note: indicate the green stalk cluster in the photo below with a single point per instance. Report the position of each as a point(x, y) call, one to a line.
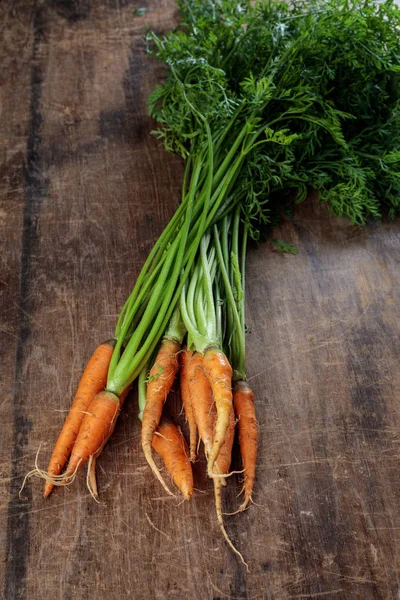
point(264, 101)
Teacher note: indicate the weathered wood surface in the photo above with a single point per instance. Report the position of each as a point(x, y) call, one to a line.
point(85, 190)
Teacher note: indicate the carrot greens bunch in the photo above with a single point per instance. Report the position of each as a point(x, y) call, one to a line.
point(263, 101)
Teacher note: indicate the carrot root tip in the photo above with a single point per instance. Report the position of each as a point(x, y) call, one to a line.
point(218, 505)
point(149, 457)
point(54, 480)
point(48, 489)
point(245, 504)
point(91, 482)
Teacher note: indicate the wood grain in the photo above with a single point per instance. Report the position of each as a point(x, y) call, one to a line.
point(85, 192)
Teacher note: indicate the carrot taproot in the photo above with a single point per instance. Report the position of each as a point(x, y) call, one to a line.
point(97, 426)
point(219, 373)
point(243, 399)
point(205, 412)
point(202, 401)
point(224, 458)
point(220, 518)
point(91, 477)
point(170, 444)
point(206, 417)
point(91, 481)
point(161, 378)
point(186, 357)
point(92, 382)
point(222, 463)
point(122, 399)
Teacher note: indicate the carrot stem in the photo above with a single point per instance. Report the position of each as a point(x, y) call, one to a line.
point(229, 293)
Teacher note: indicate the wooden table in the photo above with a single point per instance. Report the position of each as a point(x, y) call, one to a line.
point(85, 192)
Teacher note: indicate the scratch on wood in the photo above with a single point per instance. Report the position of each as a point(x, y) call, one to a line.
point(316, 594)
point(156, 528)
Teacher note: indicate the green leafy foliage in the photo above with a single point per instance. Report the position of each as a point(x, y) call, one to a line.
point(284, 247)
point(140, 12)
point(316, 85)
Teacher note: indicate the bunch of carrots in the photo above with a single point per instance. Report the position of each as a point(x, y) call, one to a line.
point(263, 101)
point(214, 391)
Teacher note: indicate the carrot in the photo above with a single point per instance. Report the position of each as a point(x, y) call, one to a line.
point(223, 463)
point(202, 401)
point(187, 401)
point(160, 383)
point(225, 454)
point(243, 399)
point(205, 412)
point(92, 382)
point(122, 399)
point(96, 427)
point(206, 416)
point(170, 444)
point(91, 477)
point(219, 373)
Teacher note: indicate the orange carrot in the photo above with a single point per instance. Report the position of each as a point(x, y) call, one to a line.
point(171, 446)
point(91, 477)
point(160, 383)
point(206, 416)
point(219, 373)
point(202, 401)
point(96, 427)
point(122, 399)
point(205, 412)
point(92, 382)
point(223, 463)
point(243, 399)
point(187, 401)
